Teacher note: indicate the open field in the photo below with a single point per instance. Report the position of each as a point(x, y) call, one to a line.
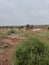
point(9, 37)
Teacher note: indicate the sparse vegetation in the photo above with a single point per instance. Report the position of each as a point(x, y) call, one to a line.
point(32, 51)
point(0, 33)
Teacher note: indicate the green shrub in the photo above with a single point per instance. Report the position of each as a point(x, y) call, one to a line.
point(48, 28)
point(31, 52)
point(4, 46)
point(0, 35)
point(11, 32)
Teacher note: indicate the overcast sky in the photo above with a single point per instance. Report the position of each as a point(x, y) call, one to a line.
point(18, 12)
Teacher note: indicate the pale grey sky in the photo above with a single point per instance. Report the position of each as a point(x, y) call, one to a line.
point(17, 12)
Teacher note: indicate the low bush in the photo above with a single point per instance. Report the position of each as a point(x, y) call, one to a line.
point(4, 46)
point(31, 52)
point(11, 32)
point(48, 28)
point(1, 35)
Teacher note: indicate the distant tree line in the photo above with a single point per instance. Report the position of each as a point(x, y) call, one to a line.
point(20, 27)
point(28, 26)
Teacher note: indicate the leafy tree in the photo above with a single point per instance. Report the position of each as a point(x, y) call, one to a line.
point(27, 26)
